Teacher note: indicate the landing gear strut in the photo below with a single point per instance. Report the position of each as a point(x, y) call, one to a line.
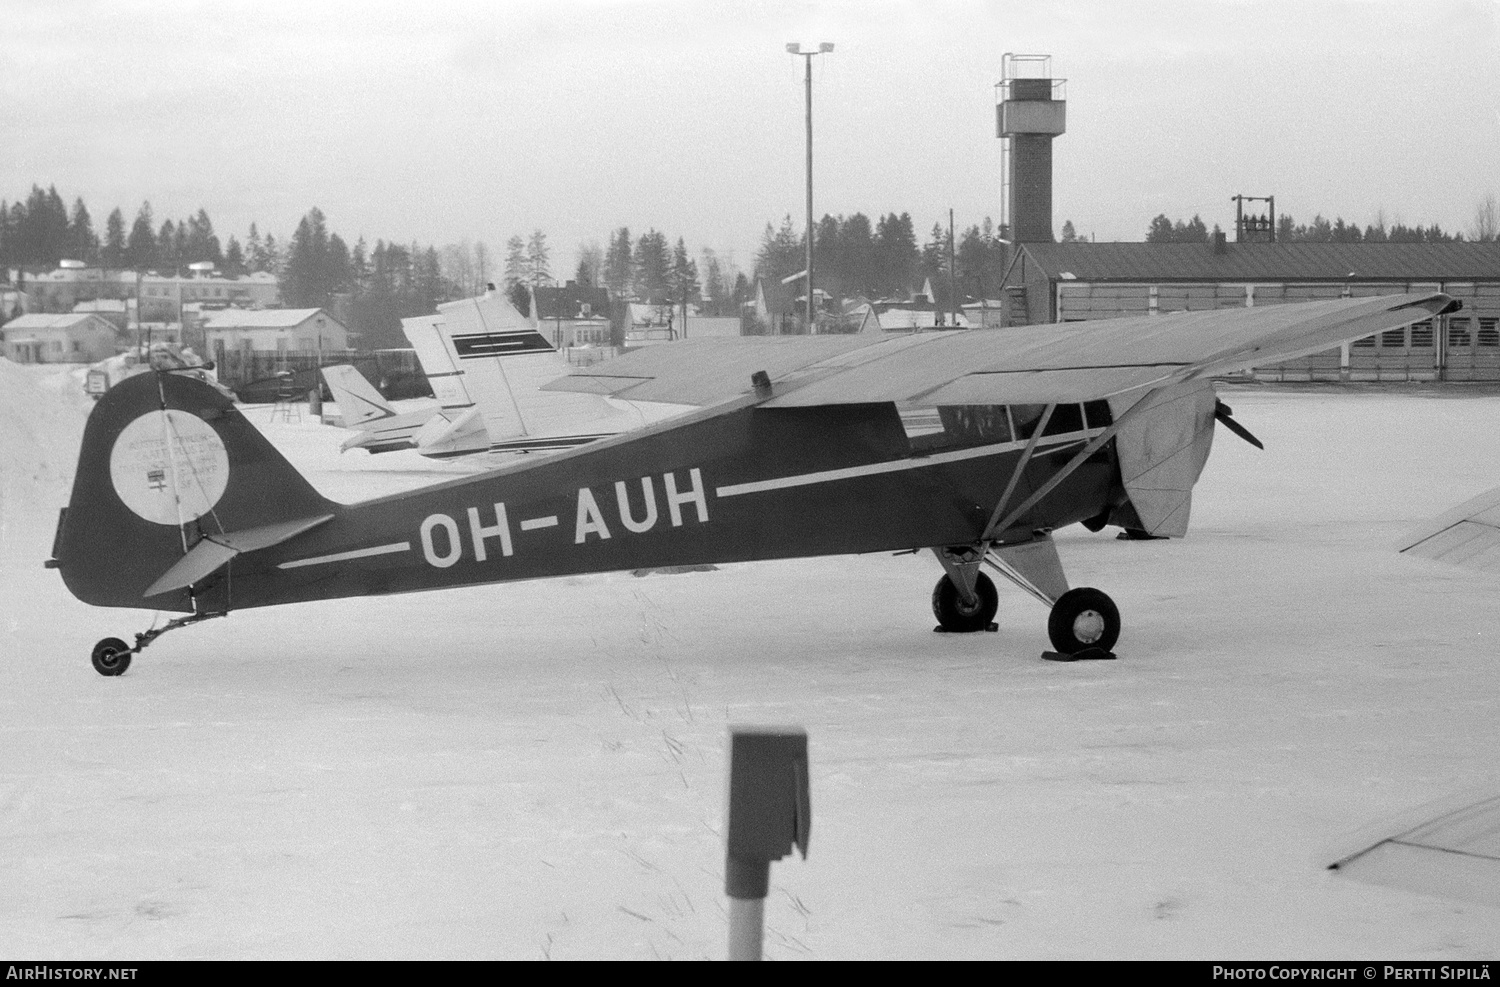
point(1083, 622)
point(111, 656)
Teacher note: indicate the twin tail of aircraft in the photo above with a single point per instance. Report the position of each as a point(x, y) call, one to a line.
point(486, 364)
point(798, 446)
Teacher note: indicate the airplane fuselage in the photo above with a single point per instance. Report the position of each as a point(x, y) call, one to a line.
point(728, 484)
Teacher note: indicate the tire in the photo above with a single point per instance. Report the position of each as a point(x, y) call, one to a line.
point(1083, 618)
point(954, 615)
point(111, 656)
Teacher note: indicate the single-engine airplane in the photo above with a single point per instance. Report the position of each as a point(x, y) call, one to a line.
point(485, 362)
point(798, 447)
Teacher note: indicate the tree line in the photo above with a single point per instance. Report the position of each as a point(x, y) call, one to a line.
point(374, 287)
point(853, 257)
point(1484, 227)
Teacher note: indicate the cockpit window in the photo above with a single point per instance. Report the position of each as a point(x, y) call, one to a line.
point(976, 424)
point(1026, 416)
point(1065, 418)
point(969, 425)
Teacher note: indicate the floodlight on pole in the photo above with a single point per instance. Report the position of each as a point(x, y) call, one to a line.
point(824, 48)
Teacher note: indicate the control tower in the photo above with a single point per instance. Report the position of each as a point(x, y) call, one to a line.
point(1031, 109)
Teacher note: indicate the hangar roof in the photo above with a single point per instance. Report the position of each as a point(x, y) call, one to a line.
point(1268, 261)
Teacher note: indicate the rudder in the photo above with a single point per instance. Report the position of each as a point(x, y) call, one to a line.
point(168, 464)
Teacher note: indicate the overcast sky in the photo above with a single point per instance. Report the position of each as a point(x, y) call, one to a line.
point(445, 121)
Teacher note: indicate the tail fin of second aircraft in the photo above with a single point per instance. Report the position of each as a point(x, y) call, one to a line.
point(356, 397)
point(172, 484)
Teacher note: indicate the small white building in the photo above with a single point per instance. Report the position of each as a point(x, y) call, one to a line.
point(72, 337)
point(275, 330)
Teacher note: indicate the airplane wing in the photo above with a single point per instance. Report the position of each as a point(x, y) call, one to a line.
point(1062, 363)
point(1468, 535)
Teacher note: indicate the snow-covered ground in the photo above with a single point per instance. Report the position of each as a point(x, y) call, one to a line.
point(537, 770)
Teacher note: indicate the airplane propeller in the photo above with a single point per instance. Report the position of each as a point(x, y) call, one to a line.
point(1225, 414)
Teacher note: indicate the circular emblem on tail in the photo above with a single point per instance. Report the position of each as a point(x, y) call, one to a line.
point(169, 467)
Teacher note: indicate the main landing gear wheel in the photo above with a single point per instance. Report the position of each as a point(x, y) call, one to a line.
point(1083, 618)
point(111, 656)
point(958, 617)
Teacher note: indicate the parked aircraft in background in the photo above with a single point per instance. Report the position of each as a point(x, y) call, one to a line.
point(797, 448)
point(485, 363)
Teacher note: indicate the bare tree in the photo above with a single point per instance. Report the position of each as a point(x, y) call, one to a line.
point(1486, 224)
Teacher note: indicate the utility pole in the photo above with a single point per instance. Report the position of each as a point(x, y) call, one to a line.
point(807, 57)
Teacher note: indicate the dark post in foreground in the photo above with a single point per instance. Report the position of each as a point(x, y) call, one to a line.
point(769, 811)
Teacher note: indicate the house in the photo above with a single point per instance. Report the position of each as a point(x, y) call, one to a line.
point(773, 312)
point(114, 309)
point(274, 330)
point(72, 337)
point(572, 314)
point(161, 295)
point(1070, 282)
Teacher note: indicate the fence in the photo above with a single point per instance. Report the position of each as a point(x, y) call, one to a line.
point(257, 375)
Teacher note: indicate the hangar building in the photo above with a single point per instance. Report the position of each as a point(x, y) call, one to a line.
point(1071, 282)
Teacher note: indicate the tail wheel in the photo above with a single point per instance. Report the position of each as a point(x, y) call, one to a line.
point(111, 656)
point(1083, 618)
point(954, 615)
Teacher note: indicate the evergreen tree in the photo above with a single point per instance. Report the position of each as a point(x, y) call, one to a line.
point(857, 255)
point(167, 254)
point(520, 296)
point(715, 290)
point(619, 264)
point(317, 264)
point(113, 252)
point(590, 264)
point(653, 264)
point(83, 243)
point(234, 258)
point(1069, 234)
point(896, 256)
point(140, 249)
point(515, 264)
point(683, 281)
point(781, 252)
point(537, 256)
point(255, 252)
point(202, 244)
point(271, 256)
point(1161, 230)
point(979, 262)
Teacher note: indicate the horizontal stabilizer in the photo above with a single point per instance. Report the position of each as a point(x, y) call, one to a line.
point(1468, 535)
point(210, 554)
point(453, 434)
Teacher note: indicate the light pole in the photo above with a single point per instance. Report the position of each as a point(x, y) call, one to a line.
point(807, 57)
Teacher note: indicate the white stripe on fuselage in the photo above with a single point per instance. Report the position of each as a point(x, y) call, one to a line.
point(358, 553)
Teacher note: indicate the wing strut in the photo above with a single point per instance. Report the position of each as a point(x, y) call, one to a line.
point(1083, 454)
point(1015, 476)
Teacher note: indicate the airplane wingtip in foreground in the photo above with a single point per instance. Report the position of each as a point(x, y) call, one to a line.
point(973, 445)
point(1467, 535)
